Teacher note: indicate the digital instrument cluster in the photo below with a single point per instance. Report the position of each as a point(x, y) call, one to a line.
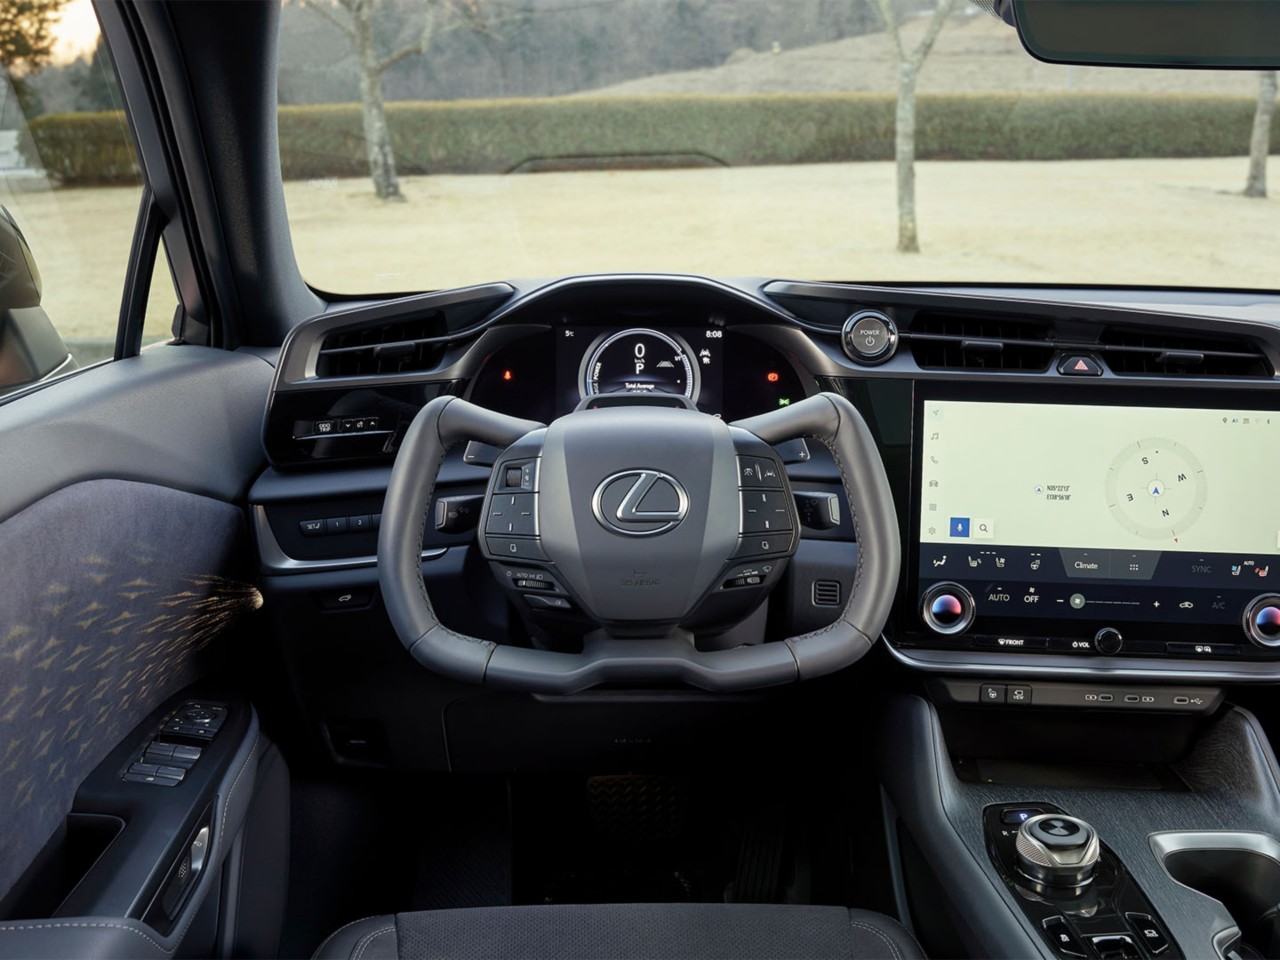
point(549, 374)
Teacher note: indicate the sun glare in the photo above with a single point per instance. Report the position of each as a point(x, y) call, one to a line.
point(77, 31)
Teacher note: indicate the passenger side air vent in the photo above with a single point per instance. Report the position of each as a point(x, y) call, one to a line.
point(941, 341)
point(405, 346)
point(1132, 352)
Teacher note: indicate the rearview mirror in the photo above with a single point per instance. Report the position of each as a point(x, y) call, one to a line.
point(1227, 34)
point(30, 347)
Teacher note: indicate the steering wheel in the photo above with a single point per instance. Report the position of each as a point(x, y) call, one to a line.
point(640, 522)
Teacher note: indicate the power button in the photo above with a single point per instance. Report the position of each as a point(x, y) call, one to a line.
point(869, 337)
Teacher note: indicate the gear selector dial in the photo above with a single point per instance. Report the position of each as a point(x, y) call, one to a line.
point(1057, 851)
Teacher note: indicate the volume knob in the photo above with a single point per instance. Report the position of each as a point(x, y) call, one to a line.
point(1262, 620)
point(1108, 641)
point(947, 608)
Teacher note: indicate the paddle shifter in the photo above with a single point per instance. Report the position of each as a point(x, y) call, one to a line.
point(1057, 851)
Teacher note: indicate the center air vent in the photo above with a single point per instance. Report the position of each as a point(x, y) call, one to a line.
point(1137, 352)
point(957, 341)
point(405, 346)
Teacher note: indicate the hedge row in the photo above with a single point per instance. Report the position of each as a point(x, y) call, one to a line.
point(80, 148)
point(501, 136)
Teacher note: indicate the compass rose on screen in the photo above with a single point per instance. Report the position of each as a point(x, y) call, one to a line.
point(1156, 488)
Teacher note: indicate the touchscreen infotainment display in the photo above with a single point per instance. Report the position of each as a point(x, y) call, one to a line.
point(1100, 512)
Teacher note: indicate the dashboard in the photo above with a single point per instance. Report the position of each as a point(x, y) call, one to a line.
point(1083, 490)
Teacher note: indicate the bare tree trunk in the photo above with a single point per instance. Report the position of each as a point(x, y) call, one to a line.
point(904, 139)
point(904, 150)
point(1260, 142)
point(377, 135)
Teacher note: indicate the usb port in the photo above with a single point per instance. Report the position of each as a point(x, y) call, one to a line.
point(1181, 701)
point(1105, 698)
point(1130, 698)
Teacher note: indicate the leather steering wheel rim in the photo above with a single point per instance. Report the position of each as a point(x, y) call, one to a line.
point(826, 418)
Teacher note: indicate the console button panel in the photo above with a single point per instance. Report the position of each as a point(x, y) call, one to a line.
point(1109, 918)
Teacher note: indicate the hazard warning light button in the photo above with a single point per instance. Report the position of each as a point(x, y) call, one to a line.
point(1080, 365)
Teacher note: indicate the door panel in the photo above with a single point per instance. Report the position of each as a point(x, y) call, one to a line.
point(125, 555)
point(183, 416)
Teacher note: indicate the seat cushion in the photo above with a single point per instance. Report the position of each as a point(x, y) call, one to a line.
point(683, 931)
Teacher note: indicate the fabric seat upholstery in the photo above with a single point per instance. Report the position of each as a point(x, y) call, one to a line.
point(625, 931)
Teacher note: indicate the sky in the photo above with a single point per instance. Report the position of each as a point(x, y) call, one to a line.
point(76, 31)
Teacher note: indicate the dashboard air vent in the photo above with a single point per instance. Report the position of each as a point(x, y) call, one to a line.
point(404, 346)
point(959, 341)
point(826, 593)
point(1136, 352)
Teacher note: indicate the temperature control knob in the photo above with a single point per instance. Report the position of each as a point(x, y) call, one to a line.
point(1262, 620)
point(947, 608)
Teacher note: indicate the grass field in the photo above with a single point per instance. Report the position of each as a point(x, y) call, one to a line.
point(1176, 222)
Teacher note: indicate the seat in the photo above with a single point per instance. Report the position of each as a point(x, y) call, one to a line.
point(684, 931)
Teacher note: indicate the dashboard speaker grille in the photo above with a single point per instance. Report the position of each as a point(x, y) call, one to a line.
point(1137, 352)
point(964, 342)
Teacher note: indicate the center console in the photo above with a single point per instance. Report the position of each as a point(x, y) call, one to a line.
point(1072, 887)
point(1052, 842)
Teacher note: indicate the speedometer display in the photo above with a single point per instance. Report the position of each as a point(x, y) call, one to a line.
point(639, 360)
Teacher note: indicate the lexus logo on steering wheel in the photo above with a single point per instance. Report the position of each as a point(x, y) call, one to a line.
point(640, 503)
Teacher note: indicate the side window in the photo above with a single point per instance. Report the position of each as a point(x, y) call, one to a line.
point(70, 190)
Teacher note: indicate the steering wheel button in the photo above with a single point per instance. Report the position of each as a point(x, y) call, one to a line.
point(513, 514)
point(759, 472)
point(764, 511)
point(763, 545)
point(518, 547)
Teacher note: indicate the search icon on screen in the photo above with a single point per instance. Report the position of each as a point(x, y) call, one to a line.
point(983, 529)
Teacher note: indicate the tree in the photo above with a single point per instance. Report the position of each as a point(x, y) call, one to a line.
point(26, 41)
point(1260, 142)
point(358, 21)
point(904, 140)
point(95, 85)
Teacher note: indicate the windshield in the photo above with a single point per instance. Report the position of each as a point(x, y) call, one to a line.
point(436, 143)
